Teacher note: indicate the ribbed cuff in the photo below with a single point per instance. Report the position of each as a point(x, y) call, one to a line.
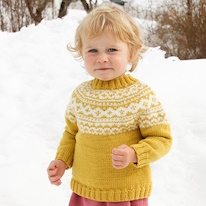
point(142, 155)
point(67, 157)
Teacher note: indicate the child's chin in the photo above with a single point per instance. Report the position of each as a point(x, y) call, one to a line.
point(105, 78)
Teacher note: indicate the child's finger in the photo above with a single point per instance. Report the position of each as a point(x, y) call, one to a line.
point(57, 182)
point(52, 166)
point(52, 172)
point(123, 146)
point(117, 151)
point(117, 164)
point(54, 178)
point(116, 157)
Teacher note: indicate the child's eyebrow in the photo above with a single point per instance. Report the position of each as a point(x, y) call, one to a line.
point(114, 45)
point(86, 45)
point(89, 47)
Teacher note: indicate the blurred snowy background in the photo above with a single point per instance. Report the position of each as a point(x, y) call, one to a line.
point(37, 76)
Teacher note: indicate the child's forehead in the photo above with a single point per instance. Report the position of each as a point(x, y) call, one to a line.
point(104, 34)
point(104, 40)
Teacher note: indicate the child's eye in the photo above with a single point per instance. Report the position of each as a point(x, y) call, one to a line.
point(92, 50)
point(112, 50)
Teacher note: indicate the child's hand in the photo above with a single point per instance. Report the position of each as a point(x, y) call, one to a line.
point(122, 156)
point(55, 171)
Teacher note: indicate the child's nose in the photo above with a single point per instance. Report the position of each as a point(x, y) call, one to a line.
point(102, 58)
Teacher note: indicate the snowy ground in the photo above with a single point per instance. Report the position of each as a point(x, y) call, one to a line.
point(37, 76)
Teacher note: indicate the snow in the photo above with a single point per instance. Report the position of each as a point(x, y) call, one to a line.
point(37, 76)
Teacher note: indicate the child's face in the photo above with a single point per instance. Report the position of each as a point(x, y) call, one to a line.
point(105, 57)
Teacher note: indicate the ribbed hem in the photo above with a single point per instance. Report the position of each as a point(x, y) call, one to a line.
point(118, 83)
point(111, 195)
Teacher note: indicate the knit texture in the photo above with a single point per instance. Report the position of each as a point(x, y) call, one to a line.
point(106, 114)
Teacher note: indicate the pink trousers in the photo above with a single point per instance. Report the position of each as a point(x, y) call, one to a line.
point(77, 200)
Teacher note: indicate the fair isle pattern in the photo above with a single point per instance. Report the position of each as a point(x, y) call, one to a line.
point(109, 112)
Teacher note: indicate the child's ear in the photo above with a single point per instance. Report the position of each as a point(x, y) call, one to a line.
point(80, 53)
point(131, 57)
point(132, 54)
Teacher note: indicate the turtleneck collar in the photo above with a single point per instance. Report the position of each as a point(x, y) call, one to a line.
point(118, 83)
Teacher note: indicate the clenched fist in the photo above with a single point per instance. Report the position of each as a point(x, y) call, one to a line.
point(122, 156)
point(55, 171)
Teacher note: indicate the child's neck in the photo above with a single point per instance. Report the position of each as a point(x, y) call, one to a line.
point(117, 83)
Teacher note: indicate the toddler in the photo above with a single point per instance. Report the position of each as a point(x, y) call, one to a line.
point(115, 126)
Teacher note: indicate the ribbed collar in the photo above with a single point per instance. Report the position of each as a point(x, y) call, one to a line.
point(118, 83)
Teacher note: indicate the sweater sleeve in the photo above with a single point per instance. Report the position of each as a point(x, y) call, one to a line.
point(155, 130)
point(65, 151)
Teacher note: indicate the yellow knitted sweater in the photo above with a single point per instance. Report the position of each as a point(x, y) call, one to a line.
point(106, 114)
